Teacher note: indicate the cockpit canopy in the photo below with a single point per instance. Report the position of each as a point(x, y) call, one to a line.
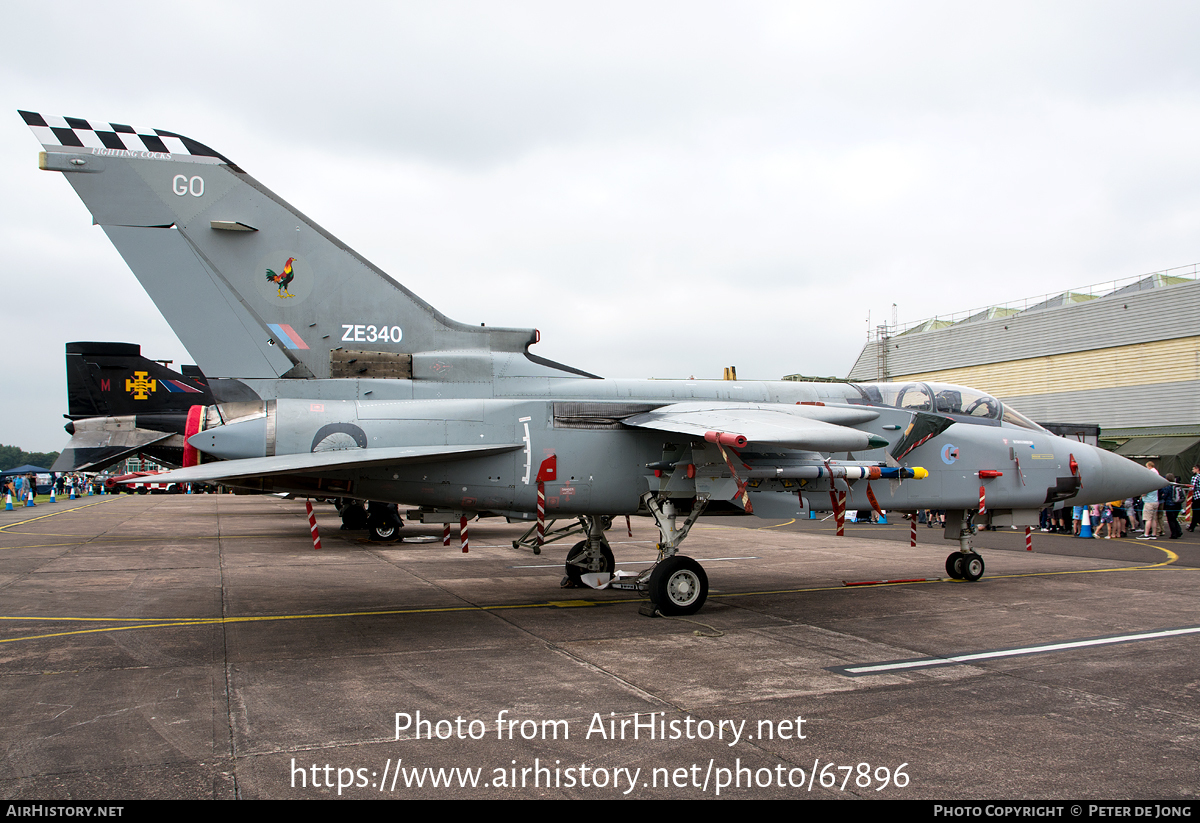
point(959, 402)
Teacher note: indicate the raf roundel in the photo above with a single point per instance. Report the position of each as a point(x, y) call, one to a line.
point(949, 453)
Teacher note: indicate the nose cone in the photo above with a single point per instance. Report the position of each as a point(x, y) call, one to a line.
point(1107, 476)
point(233, 441)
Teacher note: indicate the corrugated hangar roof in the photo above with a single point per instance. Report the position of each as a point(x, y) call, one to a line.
point(1126, 356)
point(1124, 316)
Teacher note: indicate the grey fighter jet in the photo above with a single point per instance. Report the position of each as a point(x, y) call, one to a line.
point(355, 387)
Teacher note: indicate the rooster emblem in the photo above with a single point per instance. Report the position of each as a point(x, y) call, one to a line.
point(284, 278)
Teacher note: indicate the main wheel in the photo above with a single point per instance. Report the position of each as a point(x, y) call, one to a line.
point(972, 567)
point(383, 521)
point(954, 565)
point(354, 516)
point(678, 585)
point(382, 532)
point(605, 563)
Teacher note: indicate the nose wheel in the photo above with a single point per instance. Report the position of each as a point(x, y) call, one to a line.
point(964, 566)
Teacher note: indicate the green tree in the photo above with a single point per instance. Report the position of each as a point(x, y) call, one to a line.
point(13, 456)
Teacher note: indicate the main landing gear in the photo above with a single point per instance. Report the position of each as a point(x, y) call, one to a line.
point(353, 512)
point(382, 520)
point(965, 564)
point(676, 584)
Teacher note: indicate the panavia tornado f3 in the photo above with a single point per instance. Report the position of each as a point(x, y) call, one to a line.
point(352, 386)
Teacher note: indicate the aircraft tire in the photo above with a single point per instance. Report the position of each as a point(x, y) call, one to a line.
point(972, 567)
point(678, 585)
point(354, 515)
point(383, 522)
point(575, 572)
point(383, 532)
point(954, 564)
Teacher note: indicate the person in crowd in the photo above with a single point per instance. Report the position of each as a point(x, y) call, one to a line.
point(1195, 492)
point(1120, 518)
point(1150, 510)
point(1105, 514)
point(1172, 502)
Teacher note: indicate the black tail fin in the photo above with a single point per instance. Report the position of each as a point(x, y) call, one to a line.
point(121, 404)
point(113, 379)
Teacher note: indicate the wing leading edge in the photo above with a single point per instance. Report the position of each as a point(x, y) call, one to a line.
point(801, 427)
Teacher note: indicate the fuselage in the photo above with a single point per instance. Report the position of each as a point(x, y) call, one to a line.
point(604, 466)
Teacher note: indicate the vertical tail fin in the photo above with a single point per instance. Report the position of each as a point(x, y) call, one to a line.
point(121, 404)
point(113, 379)
point(251, 286)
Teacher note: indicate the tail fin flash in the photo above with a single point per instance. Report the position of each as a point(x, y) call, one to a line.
point(251, 286)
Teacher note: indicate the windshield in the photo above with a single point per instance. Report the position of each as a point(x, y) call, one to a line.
point(1014, 417)
point(943, 398)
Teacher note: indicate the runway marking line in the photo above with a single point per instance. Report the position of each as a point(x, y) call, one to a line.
point(8, 526)
point(169, 622)
point(174, 538)
point(911, 664)
point(1171, 558)
point(177, 538)
point(776, 526)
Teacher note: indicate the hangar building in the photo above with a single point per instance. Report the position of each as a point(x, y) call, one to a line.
point(1123, 355)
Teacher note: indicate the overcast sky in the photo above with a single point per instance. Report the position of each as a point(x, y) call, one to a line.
point(663, 189)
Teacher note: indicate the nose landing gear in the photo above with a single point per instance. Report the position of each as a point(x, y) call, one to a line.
point(965, 564)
